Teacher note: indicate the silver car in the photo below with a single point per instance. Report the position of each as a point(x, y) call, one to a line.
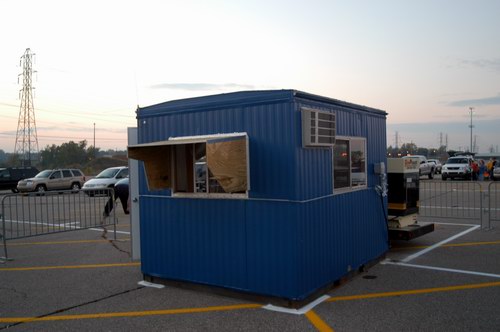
point(53, 179)
point(438, 167)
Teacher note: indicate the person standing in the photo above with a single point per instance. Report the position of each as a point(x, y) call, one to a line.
point(475, 170)
point(493, 165)
point(482, 170)
point(489, 165)
point(121, 192)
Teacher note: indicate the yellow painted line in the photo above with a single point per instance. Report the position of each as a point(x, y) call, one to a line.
point(318, 323)
point(413, 292)
point(313, 317)
point(396, 206)
point(465, 244)
point(131, 313)
point(65, 267)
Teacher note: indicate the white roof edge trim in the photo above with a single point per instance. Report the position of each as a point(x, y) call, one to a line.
point(187, 140)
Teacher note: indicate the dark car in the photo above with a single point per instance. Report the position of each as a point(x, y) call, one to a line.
point(10, 176)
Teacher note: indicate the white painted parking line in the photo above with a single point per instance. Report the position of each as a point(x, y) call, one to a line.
point(454, 208)
point(150, 284)
point(37, 223)
point(300, 311)
point(483, 274)
point(71, 225)
point(100, 230)
point(437, 245)
point(454, 224)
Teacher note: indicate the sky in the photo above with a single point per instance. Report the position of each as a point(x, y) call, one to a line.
point(423, 62)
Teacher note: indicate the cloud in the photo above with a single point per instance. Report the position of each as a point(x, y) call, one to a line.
point(202, 86)
point(488, 64)
point(9, 104)
point(488, 101)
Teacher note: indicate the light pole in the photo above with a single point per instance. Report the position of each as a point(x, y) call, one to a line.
point(471, 126)
point(94, 140)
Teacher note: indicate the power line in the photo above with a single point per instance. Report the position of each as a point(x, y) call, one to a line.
point(59, 137)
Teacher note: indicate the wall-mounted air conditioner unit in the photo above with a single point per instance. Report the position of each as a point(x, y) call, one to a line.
point(318, 128)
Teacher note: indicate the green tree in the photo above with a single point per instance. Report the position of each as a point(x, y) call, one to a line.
point(3, 156)
point(92, 152)
point(408, 148)
point(48, 156)
point(423, 151)
point(13, 160)
point(67, 154)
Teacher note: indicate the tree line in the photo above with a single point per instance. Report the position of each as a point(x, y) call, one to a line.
point(71, 155)
point(440, 153)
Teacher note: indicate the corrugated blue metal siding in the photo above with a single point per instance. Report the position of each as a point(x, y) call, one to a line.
point(314, 176)
point(337, 236)
point(271, 132)
point(284, 248)
point(272, 248)
point(189, 239)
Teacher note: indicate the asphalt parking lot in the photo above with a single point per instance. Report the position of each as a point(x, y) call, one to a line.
point(448, 280)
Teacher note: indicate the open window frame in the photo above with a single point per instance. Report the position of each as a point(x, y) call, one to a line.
point(208, 166)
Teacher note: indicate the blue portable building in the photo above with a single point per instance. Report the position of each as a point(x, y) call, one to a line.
point(263, 192)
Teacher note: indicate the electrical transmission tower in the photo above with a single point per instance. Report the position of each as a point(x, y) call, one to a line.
point(26, 138)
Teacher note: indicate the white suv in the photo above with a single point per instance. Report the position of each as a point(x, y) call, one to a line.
point(104, 180)
point(457, 167)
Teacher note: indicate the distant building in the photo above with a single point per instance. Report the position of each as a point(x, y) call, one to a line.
point(487, 155)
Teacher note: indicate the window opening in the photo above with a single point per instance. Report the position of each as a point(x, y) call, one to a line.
point(358, 163)
point(215, 164)
point(349, 163)
point(183, 165)
point(341, 169)
point(200, 167)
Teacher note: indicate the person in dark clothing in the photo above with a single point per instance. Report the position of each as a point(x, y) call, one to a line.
point(122, 193)
point(493, 166)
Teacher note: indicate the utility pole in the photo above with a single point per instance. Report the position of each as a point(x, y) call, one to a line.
point(26, 138)
point(471, 126)
point(94, 142)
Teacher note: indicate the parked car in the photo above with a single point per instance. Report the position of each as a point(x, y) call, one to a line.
point(10, 176)
point(438, 166)
point(105, 179)
point(425, 167)
point(53, 179)
point(457, 167)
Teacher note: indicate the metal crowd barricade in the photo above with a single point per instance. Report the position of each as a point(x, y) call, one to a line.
point(452, 199)
point(33, 214)
point(493, 202)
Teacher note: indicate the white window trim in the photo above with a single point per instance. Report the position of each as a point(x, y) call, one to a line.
point(203, 139)
point(350, 188)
